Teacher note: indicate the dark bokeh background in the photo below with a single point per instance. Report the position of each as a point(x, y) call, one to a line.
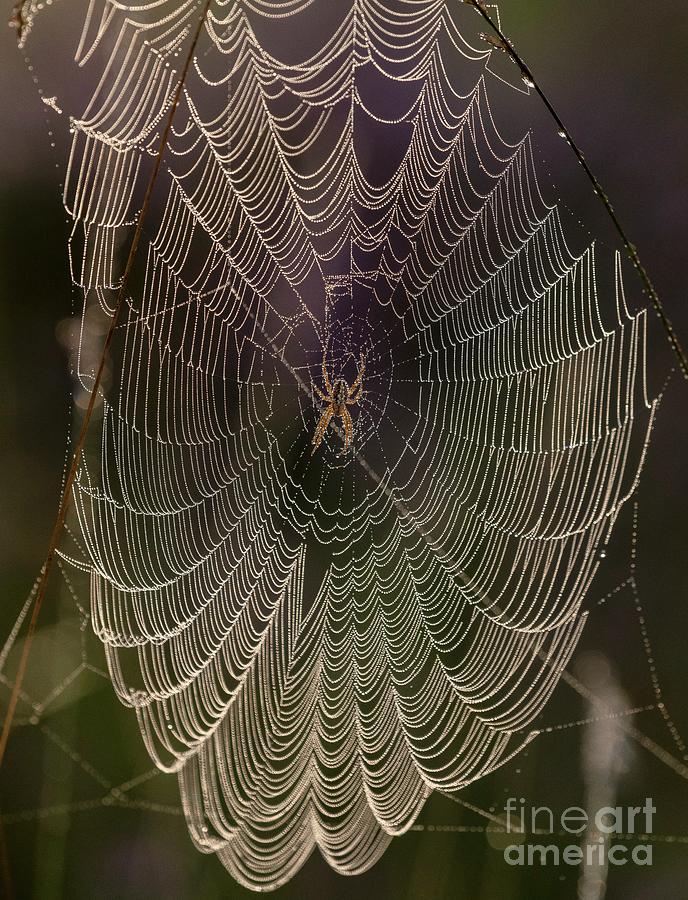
point(617, 74)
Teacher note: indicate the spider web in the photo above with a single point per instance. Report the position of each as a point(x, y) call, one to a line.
point(316, 642)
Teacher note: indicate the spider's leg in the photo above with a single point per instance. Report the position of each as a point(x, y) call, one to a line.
point(359, 378)
point(321, 429)
point(348, 429)
point(321, 395)
point(352, 401)
point(326, 377)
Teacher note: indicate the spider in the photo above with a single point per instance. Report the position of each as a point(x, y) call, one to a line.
point(338, 396)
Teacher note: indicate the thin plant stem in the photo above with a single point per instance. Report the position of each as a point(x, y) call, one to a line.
point(65, 499)
point(503, 43)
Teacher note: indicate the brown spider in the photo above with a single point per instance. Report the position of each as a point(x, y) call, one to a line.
point(338, 396)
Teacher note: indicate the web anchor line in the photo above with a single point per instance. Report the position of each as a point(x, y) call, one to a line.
point(41, 585)
point(502, 42)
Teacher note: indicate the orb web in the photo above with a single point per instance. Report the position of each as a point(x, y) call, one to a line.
point(314, 642)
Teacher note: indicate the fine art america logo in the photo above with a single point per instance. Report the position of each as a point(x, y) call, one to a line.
point(613, 834)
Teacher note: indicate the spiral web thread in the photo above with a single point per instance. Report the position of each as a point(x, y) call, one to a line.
point(316, 642)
